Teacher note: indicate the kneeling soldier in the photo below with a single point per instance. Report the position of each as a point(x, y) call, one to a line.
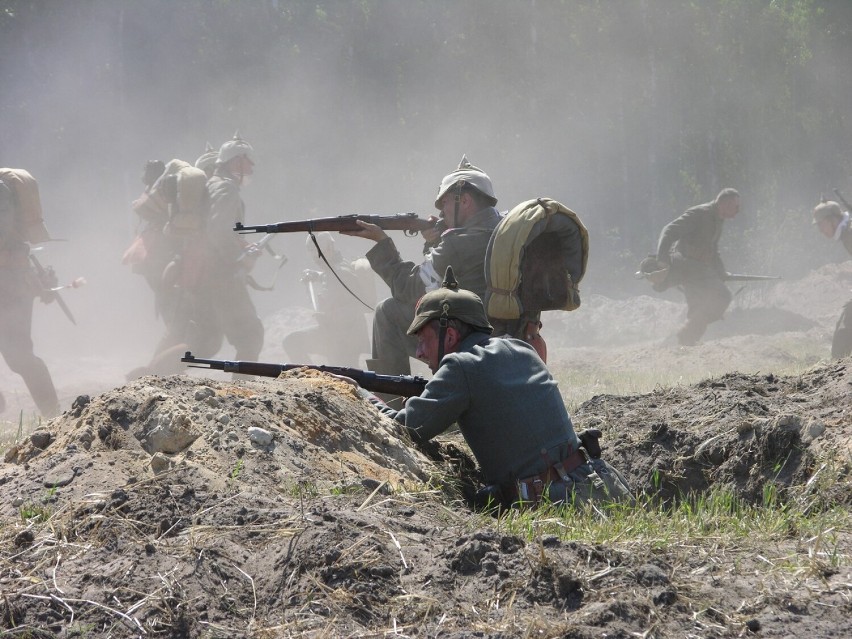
point(507, 406)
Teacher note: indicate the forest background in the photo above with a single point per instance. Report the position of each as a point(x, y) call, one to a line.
point(628, 112)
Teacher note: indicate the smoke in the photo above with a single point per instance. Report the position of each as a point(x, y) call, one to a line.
point(623, 112)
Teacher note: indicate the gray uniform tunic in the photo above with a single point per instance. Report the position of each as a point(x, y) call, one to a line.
point(463, 248)
point(505, 402)
point(690, 244)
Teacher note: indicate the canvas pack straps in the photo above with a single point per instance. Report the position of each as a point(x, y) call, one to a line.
point(535, 260)
point(27, 204)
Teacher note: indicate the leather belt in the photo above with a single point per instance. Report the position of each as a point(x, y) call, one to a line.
point(531, 488)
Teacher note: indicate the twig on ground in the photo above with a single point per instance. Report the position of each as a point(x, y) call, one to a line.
point(370, 496)
point(132, 620)
point(399, 548)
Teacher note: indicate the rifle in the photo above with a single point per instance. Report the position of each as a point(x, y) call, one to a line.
point(842, 200)
point(743, 277)
point(408, 222)
point(47, 279)
point(402, 385)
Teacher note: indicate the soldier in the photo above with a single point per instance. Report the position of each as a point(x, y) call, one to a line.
point(207, 160)
point(468, 217)
point(507, 406)
point(208, 274)
point(226, 309)
point(340, 333)
point(21, 224)
point(833, 222)
point(151, 250)
point(689, 248)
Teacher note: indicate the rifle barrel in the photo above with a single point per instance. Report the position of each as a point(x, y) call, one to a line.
point(745, 277)
point(408, 222)
point(402, 385)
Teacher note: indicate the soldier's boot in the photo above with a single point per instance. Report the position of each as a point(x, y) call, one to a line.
point(691, 332)
point(40, 385)
point(841, 342)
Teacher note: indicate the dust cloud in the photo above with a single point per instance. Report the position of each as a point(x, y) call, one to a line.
point(362, 108)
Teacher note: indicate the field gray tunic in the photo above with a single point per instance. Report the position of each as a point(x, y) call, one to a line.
point(463, 248)
point(506, 403)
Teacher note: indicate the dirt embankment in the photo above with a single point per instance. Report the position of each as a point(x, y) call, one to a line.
point(193, 507)
point(186, 507)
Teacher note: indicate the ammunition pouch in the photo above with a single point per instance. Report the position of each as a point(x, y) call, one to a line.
point(531, 489)
point(590, 441)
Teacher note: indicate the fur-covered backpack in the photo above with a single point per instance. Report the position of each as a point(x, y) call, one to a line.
point(535, 260)
point(24, 190)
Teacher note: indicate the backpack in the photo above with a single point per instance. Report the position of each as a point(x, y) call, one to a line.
point(177, 201)
point(535, 259)
point(24, 190)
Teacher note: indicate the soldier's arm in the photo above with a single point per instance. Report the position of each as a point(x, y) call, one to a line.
point(675, 230)
point(402, 277)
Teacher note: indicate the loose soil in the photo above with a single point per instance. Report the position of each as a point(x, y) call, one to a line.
point(206, 506)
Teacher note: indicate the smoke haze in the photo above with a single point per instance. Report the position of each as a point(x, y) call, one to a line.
point(628, 113)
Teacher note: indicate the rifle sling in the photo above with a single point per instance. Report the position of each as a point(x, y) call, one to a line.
point(333, 272)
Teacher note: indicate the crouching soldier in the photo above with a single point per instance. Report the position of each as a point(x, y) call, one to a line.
point(507, 406)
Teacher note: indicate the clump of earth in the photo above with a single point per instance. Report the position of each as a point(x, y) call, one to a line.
point(203, 505)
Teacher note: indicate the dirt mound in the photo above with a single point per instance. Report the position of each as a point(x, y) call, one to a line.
point(187, 507)
point(812, 303)
point(742, 432)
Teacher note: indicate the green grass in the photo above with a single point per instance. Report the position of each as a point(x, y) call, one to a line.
point(717, 519)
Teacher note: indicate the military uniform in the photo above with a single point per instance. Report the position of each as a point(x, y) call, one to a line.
point(510, 411)
point(225, 308)
point(463, 248)
point(690, 244)
point(841, 343)
point(19, 287)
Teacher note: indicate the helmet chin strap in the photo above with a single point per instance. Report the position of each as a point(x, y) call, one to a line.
point(457, 199)
point(443, 323)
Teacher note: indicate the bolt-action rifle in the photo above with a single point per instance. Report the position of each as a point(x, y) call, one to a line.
point(745, 277)
point(401, 385)
point(408, 222)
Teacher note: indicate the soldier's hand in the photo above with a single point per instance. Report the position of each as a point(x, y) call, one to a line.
point(250, 255)
point(433, 234)
point(369, 231)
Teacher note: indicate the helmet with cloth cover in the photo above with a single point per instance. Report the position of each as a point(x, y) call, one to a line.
point(827, 209)
point(466, 175)
point(207, 160)
point(234, 148)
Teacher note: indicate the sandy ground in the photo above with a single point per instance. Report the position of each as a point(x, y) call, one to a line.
point(201, 506)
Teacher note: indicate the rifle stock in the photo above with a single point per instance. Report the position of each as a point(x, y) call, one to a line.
point(408, 222)
point(401, 385)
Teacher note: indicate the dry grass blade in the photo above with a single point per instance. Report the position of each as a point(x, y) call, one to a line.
point(132, 621)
